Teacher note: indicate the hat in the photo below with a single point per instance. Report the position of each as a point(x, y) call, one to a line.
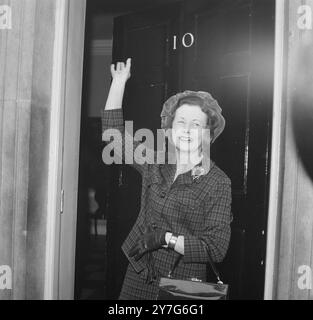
point(210, 107)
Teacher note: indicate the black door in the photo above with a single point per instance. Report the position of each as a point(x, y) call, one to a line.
point(227, 49)
point(233, 58)
point(144, 37)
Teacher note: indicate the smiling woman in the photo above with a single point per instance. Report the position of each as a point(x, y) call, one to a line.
point(195, 121)
point(200, 229)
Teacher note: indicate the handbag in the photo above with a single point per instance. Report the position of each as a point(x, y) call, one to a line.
point(192, 289)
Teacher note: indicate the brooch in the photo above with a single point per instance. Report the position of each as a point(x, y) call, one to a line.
point(197, 172)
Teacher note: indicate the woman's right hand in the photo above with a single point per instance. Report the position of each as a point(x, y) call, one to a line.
point(120, 74)
point(121, 71)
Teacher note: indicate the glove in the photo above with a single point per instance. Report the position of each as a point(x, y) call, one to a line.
point(152, 239)
point(151, 274)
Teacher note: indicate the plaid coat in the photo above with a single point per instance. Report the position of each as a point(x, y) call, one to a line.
point(199, 209)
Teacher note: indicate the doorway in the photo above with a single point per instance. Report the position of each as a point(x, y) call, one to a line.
point(223, 47)
point(94, 177)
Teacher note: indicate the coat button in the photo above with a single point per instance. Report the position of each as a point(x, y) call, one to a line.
point(163, 194)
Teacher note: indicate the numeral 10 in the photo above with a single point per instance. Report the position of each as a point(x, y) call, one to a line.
point(187, 40)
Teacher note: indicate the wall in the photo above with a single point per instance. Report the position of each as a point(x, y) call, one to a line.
point(24, 143)
point(294, 238)
point(31, 88)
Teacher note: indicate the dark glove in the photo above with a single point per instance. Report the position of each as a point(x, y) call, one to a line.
point(152, 239)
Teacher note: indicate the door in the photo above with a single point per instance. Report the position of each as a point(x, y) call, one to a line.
point(233, 58)
point(144, 37)
point(227, 49)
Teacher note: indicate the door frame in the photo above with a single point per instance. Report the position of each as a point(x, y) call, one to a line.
point(64, 149)
point(56, 137)
point(61, 237)
point(276, 161)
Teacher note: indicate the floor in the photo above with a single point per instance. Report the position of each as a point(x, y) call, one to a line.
point(93, 284)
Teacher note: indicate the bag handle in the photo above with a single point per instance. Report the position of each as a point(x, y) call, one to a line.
point(212, 265)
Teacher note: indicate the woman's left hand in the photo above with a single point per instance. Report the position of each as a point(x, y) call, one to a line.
point(152, 239)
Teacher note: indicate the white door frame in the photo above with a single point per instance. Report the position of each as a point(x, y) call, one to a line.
point(64, 149)
point(276, 170)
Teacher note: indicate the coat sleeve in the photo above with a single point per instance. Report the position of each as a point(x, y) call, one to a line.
point(215, 235)
point(113, 124)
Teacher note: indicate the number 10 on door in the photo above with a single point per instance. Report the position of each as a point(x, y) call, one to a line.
point(187, 40)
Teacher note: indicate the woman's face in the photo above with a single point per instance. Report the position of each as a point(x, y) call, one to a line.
point(187, 128)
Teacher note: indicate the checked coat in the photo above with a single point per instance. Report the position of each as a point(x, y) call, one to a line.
point(199, 209)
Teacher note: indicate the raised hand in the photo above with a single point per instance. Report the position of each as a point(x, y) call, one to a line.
point(120, 74)
point(121, 71)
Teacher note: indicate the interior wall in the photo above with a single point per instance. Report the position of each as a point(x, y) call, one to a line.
point(98, 58)
point(92, 172)
point(99, 77)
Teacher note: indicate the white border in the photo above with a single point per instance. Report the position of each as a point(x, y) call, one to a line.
point(275, 171)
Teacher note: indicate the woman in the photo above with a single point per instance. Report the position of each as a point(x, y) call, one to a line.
point(186, 206)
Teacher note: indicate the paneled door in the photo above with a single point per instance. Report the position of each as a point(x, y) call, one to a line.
point(227, 49)
point(232, 57)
